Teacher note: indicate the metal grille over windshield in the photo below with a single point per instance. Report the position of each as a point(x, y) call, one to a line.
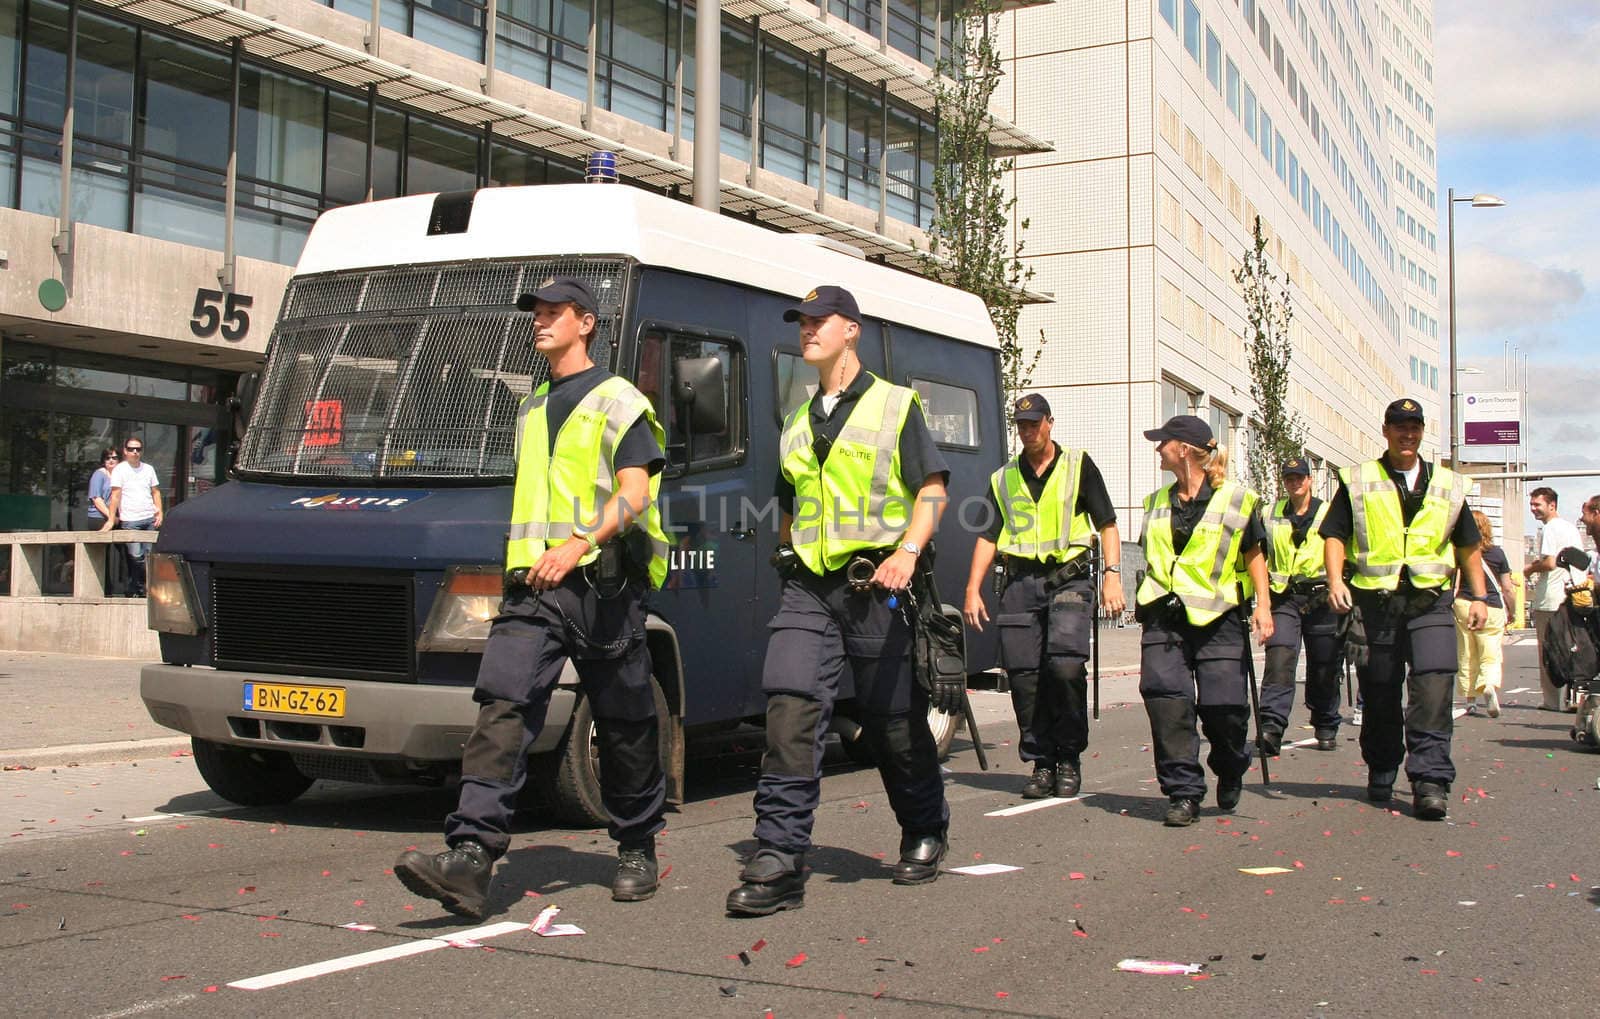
point(410, 372)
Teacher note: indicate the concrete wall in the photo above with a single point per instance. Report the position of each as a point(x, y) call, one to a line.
point(103, 627)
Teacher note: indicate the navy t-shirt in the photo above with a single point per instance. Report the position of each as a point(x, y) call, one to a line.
point(1093, 498)
point(639, 447)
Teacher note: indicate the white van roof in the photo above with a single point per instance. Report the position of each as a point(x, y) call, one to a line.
point(611, 219)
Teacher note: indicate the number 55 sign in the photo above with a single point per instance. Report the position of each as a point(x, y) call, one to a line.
point(215, 311)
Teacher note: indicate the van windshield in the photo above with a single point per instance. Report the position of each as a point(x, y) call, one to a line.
point(409, 372)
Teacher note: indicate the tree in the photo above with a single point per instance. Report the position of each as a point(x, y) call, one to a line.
point(1278, 432)
point(970, 245)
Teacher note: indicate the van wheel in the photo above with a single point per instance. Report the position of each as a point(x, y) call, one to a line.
point(567, 780)
point(246, 776)
point(943, 727)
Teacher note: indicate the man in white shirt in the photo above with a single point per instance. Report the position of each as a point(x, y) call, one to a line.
point(135, 506)
point(1549, 581)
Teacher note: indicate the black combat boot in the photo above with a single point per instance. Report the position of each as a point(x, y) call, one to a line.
point(1042, 783)
point(1380, 785)
point(1327, 739)
point(1430, 800)
point(1068, 779)
point(1182, 811)
point(1228, 792)
point(1270, 739)
point(919, 858)
point(458, 878)
point(636, 871)
point(771, 883)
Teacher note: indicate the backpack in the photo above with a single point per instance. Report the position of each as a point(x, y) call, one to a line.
point(1570, 652)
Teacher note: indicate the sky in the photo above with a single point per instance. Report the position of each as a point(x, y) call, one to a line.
point(1518, 115)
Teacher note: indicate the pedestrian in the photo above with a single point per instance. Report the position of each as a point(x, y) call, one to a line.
point(1479, 651)
point(585, 546)
point(861, 486)
point(100, 490)
point(1398, 518)
point(1549, 582)
point(1591, 526)
point(1045, 507)
point(135, 506)
point(1300, 614)
point(1201, 535)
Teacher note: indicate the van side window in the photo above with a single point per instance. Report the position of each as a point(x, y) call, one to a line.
point(664, 355)
point(795, 381)
point(952, 412)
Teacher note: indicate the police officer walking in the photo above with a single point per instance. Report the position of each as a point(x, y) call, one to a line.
point(862, 486)
point(1300, 612)
point(1398, 517)
point(585, 545)
point(1197, 533)
point(1045, 506)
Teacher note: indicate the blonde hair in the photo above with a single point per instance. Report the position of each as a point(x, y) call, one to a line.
point(1213, 459)
point(1485, 531)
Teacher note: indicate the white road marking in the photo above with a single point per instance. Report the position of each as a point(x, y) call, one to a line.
point(146, 1006)
point(1053, 801)
point(156, 817)
point(410, 948)
point(1521, 689)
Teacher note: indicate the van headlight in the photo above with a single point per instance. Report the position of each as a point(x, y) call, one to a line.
point(170, 602)
point(466, 604)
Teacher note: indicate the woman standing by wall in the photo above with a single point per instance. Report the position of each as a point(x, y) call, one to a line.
point(1479, 651)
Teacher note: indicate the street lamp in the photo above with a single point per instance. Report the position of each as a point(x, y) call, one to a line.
point(1478, 201)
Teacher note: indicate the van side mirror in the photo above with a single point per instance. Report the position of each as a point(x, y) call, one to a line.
point(700, 390)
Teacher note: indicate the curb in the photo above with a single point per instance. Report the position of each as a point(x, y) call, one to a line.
point(93, 753)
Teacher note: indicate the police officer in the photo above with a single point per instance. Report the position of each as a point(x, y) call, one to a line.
point(585, 544)
point(1299, 612)
point(1398, 517)
point(861, 485)
point(1197, 532)
point(1044, 508)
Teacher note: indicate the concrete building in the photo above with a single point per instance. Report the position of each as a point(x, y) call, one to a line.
point(142, 263)
point(1176, 123)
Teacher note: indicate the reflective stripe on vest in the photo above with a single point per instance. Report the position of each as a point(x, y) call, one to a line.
point(1291, 562)
point(1382, 544)
point(1049, 530)
point(1205, 575)
point(557, 497)
point(856, 499)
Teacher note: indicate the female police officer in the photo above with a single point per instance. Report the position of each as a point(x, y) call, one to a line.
point(1192, 652)
point(862, 487)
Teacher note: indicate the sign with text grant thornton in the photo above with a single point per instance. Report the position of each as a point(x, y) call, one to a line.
point(1491, 419)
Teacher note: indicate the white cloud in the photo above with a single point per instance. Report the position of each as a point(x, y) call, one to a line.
point(1517, 69)
point(1498, 292)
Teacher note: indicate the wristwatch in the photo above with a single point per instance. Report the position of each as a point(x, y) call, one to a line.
point(911, 546)
point(1117, 568)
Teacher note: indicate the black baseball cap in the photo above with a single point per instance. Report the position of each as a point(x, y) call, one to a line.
point(1184, 428)
point(1297, 467)
point(562, 290)
point(1032, 407)
point(825, 301)
point(1403, 409)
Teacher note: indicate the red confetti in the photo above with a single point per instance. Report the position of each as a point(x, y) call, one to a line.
point(799, 959)
point(359, 902)
point(1080, 934)
point(1076, 875)
point(981, 948)
point(408, 908)
point(1299, 866)
point(1477, 980)
point(860, 940)
point(1199, 976)
point(759, 945)
point(176, 976)
point(213, 845)
point(1430, 972)
point(247, 889)
point(126, 852)
point(664, 873)
point(1186, 909)
point(327, 873)
point(1002, 994)
point(1573, 876)
point(1451, 852)
point(1327, 834)
point(190, 916)
point(212, 989)
point(271, 934)
point(1268, 891)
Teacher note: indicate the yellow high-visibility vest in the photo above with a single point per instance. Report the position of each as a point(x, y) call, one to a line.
point(1206, 574)
point(1050, 530)
point(558, 496)
point(1290, 563)
point(1382, 543)
point(855, 500)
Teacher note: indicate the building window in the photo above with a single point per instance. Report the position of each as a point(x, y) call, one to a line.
point(951, 411)
point(1233, 88)
point(1214, 60)
point(1169, 13)
point(1191, 29)
point(1175, 400)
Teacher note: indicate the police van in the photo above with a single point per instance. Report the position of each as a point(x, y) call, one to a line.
point(322, 614)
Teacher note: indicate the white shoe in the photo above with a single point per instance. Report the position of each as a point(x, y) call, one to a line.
point(1493, 700)
point(1472, 707)
point(1355, 717)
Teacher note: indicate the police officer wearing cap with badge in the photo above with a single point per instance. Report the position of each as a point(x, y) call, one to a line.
point(1201, 536)
point(1045, 507)
point(585, 545)
point(1401, 525)
point(862, 484)
point(1300, 612)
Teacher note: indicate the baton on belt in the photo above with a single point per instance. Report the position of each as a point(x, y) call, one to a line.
point(1255, 694)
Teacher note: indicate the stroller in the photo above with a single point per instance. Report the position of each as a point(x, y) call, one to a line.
point(1572, 649)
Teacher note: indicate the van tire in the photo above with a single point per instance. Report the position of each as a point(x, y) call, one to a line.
point(247, 776)
point(944, 728)
point(567, 780)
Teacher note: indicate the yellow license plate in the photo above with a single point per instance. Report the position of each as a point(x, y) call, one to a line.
point(284, 699)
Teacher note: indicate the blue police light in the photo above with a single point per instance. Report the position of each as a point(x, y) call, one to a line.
point(602, 168)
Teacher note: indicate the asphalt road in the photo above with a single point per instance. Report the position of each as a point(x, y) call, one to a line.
point(107, 909)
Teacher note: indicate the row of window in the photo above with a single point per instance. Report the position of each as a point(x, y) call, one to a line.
point(1421, 277)
point(1416, 141)
point(152, 113)
point(1418, 232)
point(1422, 322)
point(1414, 97)
point(1424, 373)
point(1285, 163)
point(1416, 185)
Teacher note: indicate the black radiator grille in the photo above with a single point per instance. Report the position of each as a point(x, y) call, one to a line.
point(327, 626)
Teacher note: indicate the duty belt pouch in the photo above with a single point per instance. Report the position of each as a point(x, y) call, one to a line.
point(1066, 573)
point(1168, 610)
point(608, 573)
